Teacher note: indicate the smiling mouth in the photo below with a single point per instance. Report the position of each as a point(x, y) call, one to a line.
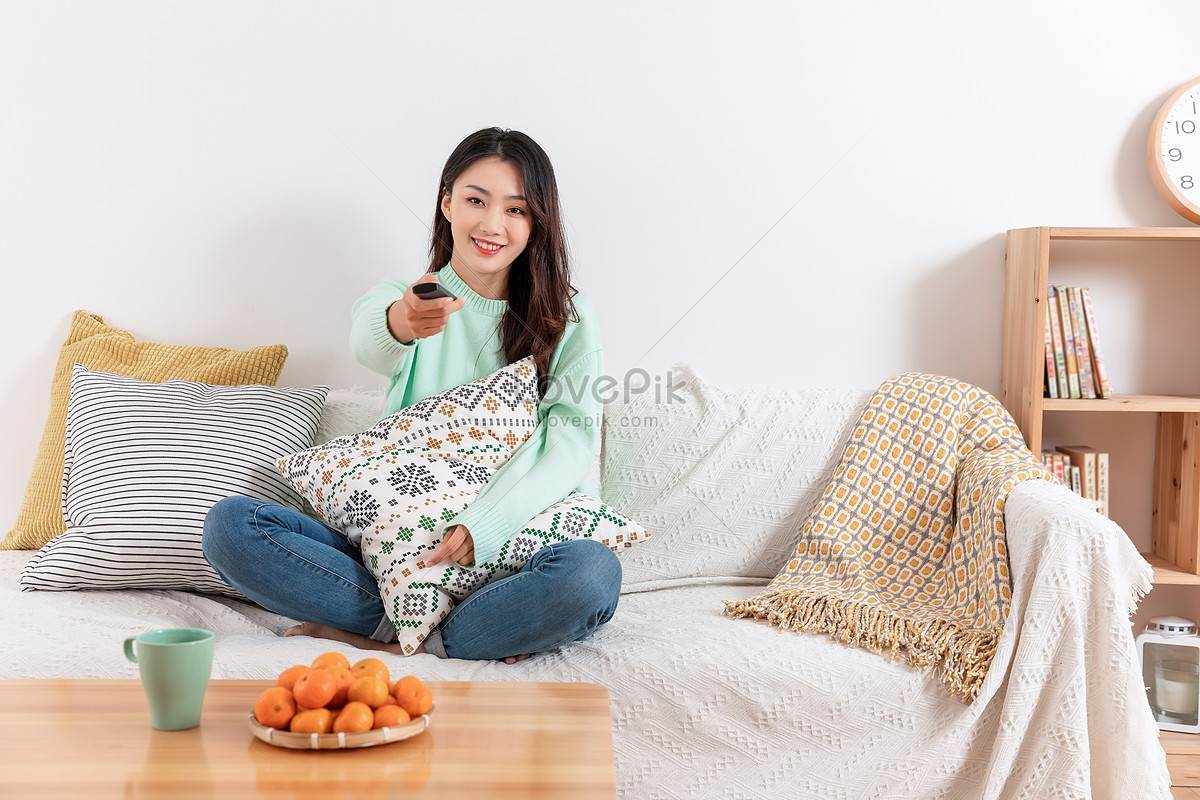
point(485, 246)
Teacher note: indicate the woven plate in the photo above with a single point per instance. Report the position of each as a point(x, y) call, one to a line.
point(338, 741)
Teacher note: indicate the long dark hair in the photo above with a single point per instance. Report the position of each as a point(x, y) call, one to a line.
point(539, 280)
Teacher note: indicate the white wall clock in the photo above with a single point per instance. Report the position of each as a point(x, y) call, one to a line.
point(1173, 150)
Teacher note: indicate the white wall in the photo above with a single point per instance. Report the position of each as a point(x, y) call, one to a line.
point(191, 171)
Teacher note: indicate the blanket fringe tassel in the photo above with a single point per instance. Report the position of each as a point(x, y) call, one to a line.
point(960, 657)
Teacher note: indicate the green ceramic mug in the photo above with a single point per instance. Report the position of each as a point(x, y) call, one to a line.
point(175, 664)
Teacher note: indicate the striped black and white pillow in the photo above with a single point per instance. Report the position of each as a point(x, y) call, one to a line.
point(144, 464)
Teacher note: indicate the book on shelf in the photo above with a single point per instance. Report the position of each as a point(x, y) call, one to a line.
point(1083, 354)
point(1083, 457)
point(1093, 473)
point(1051, 375)
point(1058, 466)
point(1060, 358)
point(1102, 481)
point(1074, 366)
point(1101, 372)
point(1064, 314)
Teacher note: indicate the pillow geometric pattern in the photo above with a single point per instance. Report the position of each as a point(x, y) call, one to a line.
point(105, 348)
point(396, 488)
point(144, 462)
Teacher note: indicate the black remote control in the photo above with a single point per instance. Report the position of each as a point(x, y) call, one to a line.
point(429, 291)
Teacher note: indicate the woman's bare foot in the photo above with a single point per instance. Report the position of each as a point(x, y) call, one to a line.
point(318, 631)
point(515, 659)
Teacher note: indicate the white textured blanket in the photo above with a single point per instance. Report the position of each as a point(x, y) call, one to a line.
point(708, 706)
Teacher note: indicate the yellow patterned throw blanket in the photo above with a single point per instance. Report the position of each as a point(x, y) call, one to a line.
point(905, 549)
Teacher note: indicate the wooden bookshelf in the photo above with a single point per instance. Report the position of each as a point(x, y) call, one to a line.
point(1175, 524)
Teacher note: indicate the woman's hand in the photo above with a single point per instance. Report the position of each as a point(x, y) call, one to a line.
point(412, 317)
point(456, 546)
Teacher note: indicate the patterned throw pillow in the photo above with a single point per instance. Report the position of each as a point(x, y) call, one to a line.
point(144, 462)
point(396, 488)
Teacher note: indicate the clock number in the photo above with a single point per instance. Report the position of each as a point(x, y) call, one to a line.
point(1175, 154)
point(1187, 126)
point(1186, 182)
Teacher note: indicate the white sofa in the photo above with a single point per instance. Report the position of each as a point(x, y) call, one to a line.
point(704, 705)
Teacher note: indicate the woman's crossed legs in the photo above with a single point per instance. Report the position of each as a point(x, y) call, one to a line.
point(301, 568)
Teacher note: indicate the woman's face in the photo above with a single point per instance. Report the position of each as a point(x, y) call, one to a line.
point(489, 220)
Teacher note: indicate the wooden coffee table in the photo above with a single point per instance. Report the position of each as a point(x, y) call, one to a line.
point(92, 738)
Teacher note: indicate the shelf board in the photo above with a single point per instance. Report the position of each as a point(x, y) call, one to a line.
point(1127, 402)
point(1165, 572)
point(1126, 234)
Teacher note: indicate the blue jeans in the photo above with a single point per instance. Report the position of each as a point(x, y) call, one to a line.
point(299, 567)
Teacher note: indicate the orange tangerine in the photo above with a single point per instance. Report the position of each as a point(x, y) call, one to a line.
point(312, 720)
point(343, 679)
point(331, 659)
point(288, 678)
point(390, 715)
point(354, 718)
point(275, 707)
point(413, 695)
point(315, 688)
point(369, 690)
point(371, 666)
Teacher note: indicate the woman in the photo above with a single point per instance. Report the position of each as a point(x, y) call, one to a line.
point(498, 246)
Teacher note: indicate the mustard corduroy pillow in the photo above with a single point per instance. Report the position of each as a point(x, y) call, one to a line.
point(103, 348)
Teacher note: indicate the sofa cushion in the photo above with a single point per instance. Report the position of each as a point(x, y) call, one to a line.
point(396, 488)
point(105, 348)
point(144, 462)
point(724, 478)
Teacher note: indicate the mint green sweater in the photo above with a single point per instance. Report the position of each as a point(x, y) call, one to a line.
point(548, 466)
